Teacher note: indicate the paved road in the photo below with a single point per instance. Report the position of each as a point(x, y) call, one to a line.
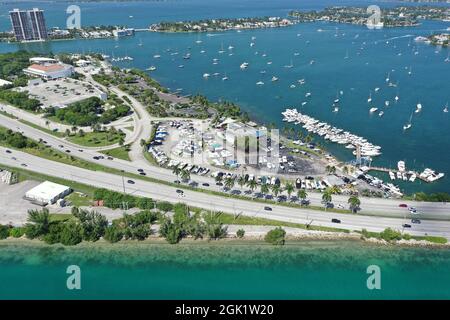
point(385, 207)
point(218, 203)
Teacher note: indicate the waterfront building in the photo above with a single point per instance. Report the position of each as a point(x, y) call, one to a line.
point(28, 25)
point(47, 193)
point(123, 32)
point(48, 69)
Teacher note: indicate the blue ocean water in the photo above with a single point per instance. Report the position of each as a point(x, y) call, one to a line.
point(372, 56)
point(305, 270)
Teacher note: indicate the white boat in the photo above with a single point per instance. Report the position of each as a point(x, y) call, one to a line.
point(388, 77)
point(244, 65)
point(151, 68)
point(410, 71)
point(252, 44)
point(269, 62)
point(446, 108)
point(304, 103)
point(381, 113)
point(206, 75)
point(373, 109)
point(260, 83)
point(386, 103)
point(225, 78)
point(418, 108)
point(292, 86)
point(336, 109)
point(157, 56)
point(308, 94)
point(289, 65)
point(369, 100)
point(409, 124)
point(274, 79)
point(377, 89)
point(413, 177)
point(401, 166)
point(391, 175)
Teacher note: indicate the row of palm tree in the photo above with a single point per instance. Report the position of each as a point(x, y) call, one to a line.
point(229, 183)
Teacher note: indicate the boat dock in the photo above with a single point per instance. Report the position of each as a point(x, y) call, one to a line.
point(427, 175)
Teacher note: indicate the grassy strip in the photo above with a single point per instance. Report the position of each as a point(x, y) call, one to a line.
point(6, 114)
point(120, 153)
point(33, 125)
point(95, 139)
point(432, 239)
point(246, 220)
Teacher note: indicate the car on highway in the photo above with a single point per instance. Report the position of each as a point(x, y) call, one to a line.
point(406, 225)
point(177, 181)
point(220, 184)
point(416, 221)
point(130, 182)
point(14, 158)
point(268, 208)
point(334, 220)
point(110, 158)
point(8, 151)
point(96, 158)
point(23, 165)
point(61, 146)
point(142, 173)
point(180, 191)
point(412, 210)
point(403, 205)
point(205, 184)
point(140, 170)
point(68, 151)
point(81, 150)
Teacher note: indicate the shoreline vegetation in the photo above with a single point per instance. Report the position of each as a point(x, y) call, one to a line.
point(185, 226)
point(213, 25)
point(400, 16)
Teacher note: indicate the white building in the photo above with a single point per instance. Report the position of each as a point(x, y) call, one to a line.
point(48, 69)
point(47, 193)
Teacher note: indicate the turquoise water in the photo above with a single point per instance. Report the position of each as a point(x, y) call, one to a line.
point(306, 270)
point(426, 144)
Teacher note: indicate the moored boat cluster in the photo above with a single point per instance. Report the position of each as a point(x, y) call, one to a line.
point(331, 133)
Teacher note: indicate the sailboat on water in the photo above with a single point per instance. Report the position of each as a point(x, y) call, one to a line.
point(409, 124)
point(446, 108)
point(289, 65)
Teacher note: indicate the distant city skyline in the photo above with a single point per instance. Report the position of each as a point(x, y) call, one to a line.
point(28, 25)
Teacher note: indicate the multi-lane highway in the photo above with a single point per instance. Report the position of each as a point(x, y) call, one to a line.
point(218, 203)
point(372, 206)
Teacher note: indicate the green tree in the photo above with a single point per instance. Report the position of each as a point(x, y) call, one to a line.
point(113, 234)
point(229, 182)
point(354, 203)
point(302, 195)
point(326, 198)
point(185, 175)
point(38, 223)
point(241, 181)
point(252, 184)
point(289, 187)
point(276, 189)
point(4, 231)
point(264, 188)
point(276, 236)
point(71, 233)
point(240, 233)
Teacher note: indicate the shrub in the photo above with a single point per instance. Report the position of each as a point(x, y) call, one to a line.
point(240, 233)
point(113, 234)
point(276, 236)
point(71, 233)
point(390, 235)
point(17, 232)
point(4, 231)
point(164, 206)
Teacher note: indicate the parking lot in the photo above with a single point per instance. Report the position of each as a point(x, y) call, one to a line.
point(59, 93)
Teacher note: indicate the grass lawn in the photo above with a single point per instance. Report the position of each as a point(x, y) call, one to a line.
point(120, 153)
point(79, 199)
point(96, 139)
point(54, 133)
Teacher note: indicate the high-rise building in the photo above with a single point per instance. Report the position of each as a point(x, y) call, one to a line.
point(28, 25)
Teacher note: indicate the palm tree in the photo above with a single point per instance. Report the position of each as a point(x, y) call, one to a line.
point(276, 189)
point(345, 170)
point(241, 181)
point(334, 189)
point(47, 123)
point(252, 184)
point(354, 203)
point(229, 182)
point(301, 194)
point(289, 187)
point(326, 198)
point(185, 175)
point(218, 178)
point(264, 188)
point(74, 129)
point(176, 171)
point(40, 220)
